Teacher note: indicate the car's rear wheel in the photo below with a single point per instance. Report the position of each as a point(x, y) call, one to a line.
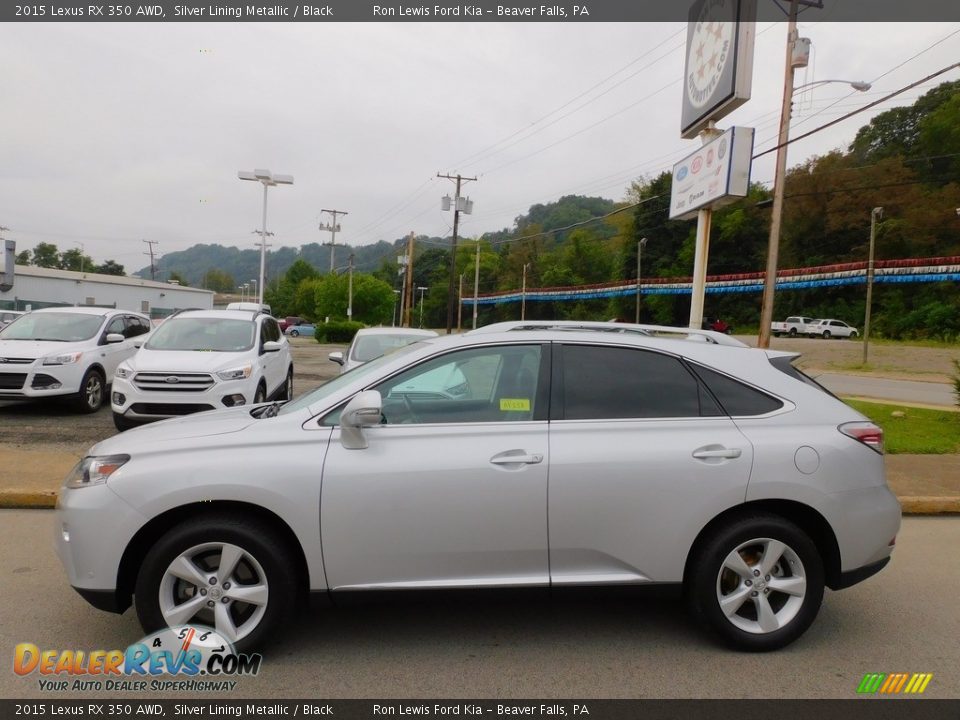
point(223, 572)
point(826, 334)
point(757, 583)
point(295, 333)
point(92, 391)
point(288, 386)
point(793, 332)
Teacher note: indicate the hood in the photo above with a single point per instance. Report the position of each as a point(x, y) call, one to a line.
point(146, 360)
point(153, 436)
point(34, 349)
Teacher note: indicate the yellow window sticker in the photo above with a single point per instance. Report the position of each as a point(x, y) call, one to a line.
point(515, 404)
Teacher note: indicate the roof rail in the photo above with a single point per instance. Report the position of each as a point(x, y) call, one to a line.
point(665, 331)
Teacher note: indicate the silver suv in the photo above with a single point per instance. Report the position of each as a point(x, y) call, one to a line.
point(443, 464)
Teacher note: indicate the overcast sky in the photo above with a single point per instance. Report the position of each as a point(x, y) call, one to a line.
point(115, 133)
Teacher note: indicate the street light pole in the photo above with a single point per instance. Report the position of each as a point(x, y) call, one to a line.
point(460, 306)
point(523, 296)
point(350, 291)
point(254, 285)
point(640, 243)
point(266, 178)
point(875, 215)
point(422, 290)
point(396, 294)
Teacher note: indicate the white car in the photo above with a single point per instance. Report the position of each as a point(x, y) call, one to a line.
point(831, 328)
point(370, 343)
point(552, 458)
point(67, 351)
point(202, 360)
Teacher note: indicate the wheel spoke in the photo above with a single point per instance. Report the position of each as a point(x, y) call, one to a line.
point(794, 585)
point(184, 569)
point(224, 623)
point(180, 614)
point(766, 617)
point(253, 594)
point(771, 554)
point(732, 602)
point(230, 555)
point(735, 562)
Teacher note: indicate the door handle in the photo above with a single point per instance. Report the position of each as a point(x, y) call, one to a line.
point(519, 459)
point(705, 454)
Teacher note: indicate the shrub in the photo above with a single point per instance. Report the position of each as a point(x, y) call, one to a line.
point(337, 331)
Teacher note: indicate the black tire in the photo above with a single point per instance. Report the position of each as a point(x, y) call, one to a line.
point(704, 583)
point(826, 334)
point(287, 393)
point(295, 333)
point(793, 332)
point(261, 395)
point(93, 389)
point(121, 423)
point(854, 334)
point(256, 539)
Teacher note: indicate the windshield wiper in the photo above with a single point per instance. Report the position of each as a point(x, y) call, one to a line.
point(47, 339)
point(271, 410)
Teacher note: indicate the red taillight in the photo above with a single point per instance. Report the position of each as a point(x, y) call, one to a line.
point(865, 432)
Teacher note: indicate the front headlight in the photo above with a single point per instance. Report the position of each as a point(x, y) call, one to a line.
point(94, 470)
point(236, 374)
point(123, 371)
point(65, 359)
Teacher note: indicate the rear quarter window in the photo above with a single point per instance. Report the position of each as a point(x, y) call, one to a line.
point(736, 398)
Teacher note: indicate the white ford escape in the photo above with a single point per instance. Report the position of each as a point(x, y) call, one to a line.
point(202, 360)
point(651, 460)
point(67, 351)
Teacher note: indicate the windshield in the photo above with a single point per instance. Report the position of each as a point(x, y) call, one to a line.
point(203, 334)
point(368, 347)
point(55, 326)
point(341, 381)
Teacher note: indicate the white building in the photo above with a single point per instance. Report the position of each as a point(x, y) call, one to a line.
point(30, 288)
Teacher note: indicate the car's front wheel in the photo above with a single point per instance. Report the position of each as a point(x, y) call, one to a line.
point(756, 582)
point(92, 391)
point(295, 333)
point(223, 572)
point(826, 334)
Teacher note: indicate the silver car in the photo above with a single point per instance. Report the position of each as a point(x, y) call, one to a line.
point(370, 343)
point(443, 465)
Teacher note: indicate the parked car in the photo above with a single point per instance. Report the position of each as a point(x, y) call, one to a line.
point(717, 325)
point(792, 326)
point(832, 328)
point(67, 351)
point(652, 460)
point(370, 343)
point(306, 329)
point(289, 321)
point(201, 360)
point(8, 316)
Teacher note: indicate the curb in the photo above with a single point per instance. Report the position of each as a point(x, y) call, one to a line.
point(909, 505)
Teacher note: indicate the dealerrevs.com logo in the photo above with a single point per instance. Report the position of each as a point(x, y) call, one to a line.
point(894, 683)
point(201, 659)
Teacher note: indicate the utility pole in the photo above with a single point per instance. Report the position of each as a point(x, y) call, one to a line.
point(457, 206)
point(875, 214)
point(333, 227)
point(422, 290)
point(153, 267)
point(523, 294)
point(476, 284)
point(640, 244)
point(460, 306)
point(408, 286)
point(780, 172)
point(350, 291)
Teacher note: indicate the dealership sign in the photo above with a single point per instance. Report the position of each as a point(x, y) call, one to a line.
point(719, 61)
point(716, 174)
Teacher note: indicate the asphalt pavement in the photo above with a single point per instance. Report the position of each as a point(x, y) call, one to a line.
point(911, 391)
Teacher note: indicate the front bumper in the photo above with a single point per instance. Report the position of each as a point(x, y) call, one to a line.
point(147, 405)
point(36, 380)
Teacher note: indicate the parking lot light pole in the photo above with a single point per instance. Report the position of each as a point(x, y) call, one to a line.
point(875, 214)
point(640, 244)
point(267, 179)
point(253, 280)
point(422, 290)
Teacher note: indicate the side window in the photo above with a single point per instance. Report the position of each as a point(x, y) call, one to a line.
point(498, 384)
point(116, 326)
point(737, 399)
point(615, 383)
point(275, 333)
point(135, 326)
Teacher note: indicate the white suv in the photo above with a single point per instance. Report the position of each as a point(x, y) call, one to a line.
point(67, 351)
point(203, 360)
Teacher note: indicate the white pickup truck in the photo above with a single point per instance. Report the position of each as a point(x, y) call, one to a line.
point(793, 326)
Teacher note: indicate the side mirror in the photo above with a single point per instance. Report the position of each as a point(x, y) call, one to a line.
point(271, 346)
point(364, 410)
point(336, 357)
point(114, 338)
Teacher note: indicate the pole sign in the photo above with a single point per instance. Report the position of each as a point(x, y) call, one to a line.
point(719, 66)
point(716, 174)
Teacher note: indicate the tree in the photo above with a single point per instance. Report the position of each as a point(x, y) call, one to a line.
point(372, 298)
point(110, 267)
point(218, 280)
point(176, 276)
point(23, 258)
point(74, 259)
point(46, 255)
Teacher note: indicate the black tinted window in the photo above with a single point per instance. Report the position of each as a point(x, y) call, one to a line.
point(610, 382)
point(735, 397)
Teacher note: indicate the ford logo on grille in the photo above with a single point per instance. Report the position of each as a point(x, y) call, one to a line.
point(172, 379)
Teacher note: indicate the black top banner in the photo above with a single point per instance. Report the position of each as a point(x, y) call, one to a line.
point(473, 11)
